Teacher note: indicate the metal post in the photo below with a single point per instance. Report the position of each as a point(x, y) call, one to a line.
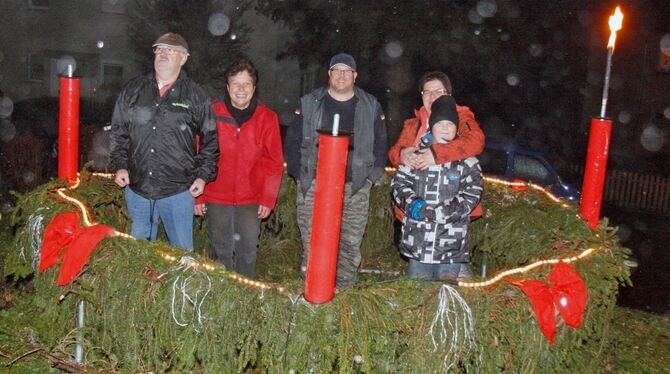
point(79, 348)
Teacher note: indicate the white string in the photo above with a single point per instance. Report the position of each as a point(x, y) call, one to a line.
point(172, 304)
point(294, 299)
point(35, 227)
point(187, 262)
point(201, 317)
point(455, 324)
point(191, 300)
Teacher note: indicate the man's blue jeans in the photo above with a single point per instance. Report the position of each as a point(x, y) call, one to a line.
point(176, 213)
point(438, 272)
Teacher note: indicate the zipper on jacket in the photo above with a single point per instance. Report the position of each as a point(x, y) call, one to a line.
point(237, 166)
point(439, 181)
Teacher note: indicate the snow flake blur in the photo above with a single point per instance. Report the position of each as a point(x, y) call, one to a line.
point(393, 49)
point(652, 138)
point(487, 8)
point(6, 107)
point(218, 24)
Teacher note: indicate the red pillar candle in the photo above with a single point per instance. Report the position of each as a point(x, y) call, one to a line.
point(326, 218)
point(595, 170)
point(68, 129)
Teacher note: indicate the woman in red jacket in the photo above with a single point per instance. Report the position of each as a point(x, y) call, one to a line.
point(470, 140)
point(251, 166)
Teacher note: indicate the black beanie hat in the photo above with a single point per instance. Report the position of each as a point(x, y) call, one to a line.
point(443, 108)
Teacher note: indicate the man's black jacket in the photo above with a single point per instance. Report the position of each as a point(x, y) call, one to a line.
point(154, 137)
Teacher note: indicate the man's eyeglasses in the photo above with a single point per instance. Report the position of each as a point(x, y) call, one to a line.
point(440, 91)
point(168, 51)
point(342, 71)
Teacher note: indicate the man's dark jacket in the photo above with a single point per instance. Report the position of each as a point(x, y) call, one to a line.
point(368, 143)
point(154, 137)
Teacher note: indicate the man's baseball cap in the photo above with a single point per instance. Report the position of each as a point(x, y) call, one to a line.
point(172, 39)
point(344, 59)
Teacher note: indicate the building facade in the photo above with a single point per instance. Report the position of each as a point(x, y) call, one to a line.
point(41, 38)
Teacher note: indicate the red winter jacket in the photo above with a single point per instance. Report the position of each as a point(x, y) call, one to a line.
point(251, 164)
point(470, 141)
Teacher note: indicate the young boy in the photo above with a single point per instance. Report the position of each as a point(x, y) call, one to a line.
point(437, 202)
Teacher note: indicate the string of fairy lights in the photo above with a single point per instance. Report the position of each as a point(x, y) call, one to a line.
point(215, 267)
point(198, 265)
point(85, 212)
point(527, 268)
point(518, 185)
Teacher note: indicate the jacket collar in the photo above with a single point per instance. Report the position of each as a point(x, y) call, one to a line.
point(152, 76)
point(422, 115)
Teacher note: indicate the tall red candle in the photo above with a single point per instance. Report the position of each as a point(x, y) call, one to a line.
point(68, 129)
point(595, 170)
point(326, 218)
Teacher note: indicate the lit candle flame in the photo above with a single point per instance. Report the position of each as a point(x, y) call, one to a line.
point(615, 25)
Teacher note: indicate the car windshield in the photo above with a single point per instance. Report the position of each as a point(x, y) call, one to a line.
point(531, 169)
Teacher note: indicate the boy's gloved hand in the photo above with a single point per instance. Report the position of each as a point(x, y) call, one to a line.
point(428, 212)
point(420, 210)
point(415, 208)
point(426, 140)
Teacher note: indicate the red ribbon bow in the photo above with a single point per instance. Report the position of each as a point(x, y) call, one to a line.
point(567, 293)
point(63, 237)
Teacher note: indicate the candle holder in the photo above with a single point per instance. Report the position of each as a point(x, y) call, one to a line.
point(326, 216)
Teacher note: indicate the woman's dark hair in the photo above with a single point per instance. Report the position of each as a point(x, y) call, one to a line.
point(436, 76)
point(240, 65)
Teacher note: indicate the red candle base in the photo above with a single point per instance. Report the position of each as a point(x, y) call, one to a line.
point(595, 170)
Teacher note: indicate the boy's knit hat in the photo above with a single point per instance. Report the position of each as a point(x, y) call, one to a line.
point(443, 108)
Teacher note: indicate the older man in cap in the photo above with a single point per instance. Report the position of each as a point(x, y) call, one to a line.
point(361, 114)
point(153, 145)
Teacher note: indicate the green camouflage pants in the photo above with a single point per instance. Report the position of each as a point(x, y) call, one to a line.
point(354, 221)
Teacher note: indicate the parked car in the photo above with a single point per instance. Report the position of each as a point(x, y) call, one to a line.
point(510, 161)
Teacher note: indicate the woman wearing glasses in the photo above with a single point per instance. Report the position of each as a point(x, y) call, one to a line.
point(470, 140)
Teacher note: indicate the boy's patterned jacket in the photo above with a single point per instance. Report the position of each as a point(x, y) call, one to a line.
point(453, 189)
